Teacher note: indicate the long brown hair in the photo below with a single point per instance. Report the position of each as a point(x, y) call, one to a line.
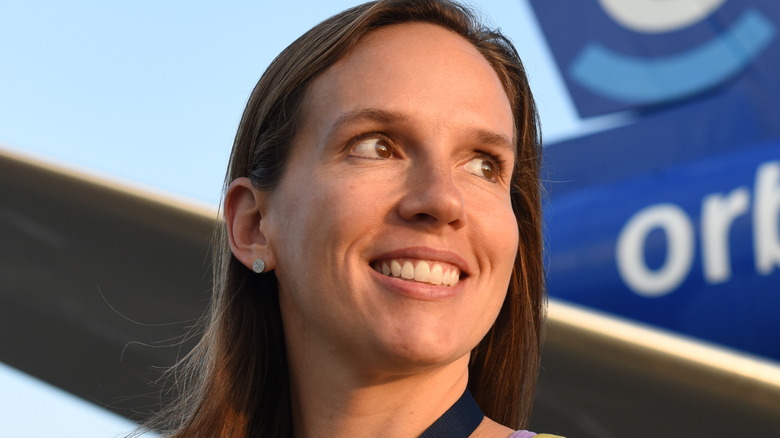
point(235, 383)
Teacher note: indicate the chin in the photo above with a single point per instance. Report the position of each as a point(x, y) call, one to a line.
point(425, 352)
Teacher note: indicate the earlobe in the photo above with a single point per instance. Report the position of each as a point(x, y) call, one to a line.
point(244, 210)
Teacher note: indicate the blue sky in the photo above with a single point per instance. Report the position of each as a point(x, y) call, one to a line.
point(150, 93)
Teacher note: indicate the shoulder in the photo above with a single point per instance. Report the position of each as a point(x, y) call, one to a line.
point(490, 429)
point(527, 434)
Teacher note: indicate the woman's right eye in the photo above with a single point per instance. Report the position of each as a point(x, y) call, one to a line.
point(373, 148)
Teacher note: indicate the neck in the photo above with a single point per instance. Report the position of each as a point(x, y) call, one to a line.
point(338, 402)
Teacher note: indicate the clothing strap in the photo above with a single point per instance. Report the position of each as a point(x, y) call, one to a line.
point(460, 420)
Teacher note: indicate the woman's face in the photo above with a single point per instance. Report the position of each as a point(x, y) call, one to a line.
point(392, 227)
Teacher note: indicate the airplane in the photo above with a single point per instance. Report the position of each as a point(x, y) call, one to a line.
point(663, 250)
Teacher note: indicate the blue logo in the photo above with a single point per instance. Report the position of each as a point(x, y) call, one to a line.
point(622, 54)
point(644, 81)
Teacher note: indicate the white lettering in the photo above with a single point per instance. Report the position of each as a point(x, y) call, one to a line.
point(680, 245)
point(718, 212)
point(766, 218)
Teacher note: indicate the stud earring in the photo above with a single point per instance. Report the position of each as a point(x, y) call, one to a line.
point(258, 266)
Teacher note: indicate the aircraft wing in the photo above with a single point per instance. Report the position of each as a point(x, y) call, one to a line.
point(100, 284)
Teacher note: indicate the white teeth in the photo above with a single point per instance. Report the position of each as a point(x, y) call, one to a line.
point(422, 272)
point(407, 271)
point(395, 268)
point(437, 273)
point(453, 278)
point(425, 272)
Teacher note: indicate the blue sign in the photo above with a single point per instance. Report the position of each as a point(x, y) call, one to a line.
point(693, 248)
point(674, 217)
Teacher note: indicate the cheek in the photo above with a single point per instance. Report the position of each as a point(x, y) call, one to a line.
point(505, 237)
point(512, 240)
point(499, 234)
point(318, 235)
point(319, 215)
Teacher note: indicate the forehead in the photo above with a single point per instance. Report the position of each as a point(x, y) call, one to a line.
point(412, 68)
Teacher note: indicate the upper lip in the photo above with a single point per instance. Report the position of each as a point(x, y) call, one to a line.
point(429, 254)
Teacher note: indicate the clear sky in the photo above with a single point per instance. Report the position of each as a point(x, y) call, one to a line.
point(150, 92)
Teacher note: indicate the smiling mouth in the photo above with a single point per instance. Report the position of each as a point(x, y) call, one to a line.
point(422, 271)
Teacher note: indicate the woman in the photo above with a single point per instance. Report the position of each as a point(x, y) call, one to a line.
point(382, 247)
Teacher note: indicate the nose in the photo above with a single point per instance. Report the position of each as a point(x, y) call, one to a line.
point(432, 197)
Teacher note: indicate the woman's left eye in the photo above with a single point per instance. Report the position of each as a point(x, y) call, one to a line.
point(484, 167)
point(373, 148)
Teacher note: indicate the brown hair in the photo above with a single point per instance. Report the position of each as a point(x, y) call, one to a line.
point(235, 383)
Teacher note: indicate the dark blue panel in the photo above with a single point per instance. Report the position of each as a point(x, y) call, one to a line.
point(739, 309)
point(661, 219)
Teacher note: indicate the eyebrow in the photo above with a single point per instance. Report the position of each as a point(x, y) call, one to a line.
point(491, 138)
point(366, 115)
point(483, 136)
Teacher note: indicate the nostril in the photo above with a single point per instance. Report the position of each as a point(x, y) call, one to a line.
point(424, 217)
point(438, 201)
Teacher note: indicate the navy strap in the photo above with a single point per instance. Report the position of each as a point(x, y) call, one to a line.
point(460, 420)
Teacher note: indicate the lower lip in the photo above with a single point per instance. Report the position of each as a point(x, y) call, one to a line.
point(418, 290)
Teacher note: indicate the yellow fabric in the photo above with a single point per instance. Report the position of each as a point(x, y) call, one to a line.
point(547, 435)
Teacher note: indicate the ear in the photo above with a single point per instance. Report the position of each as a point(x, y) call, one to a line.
point(243, 210)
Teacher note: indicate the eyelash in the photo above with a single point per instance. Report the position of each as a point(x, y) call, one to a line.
point(498, 161)
point(371, 135)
